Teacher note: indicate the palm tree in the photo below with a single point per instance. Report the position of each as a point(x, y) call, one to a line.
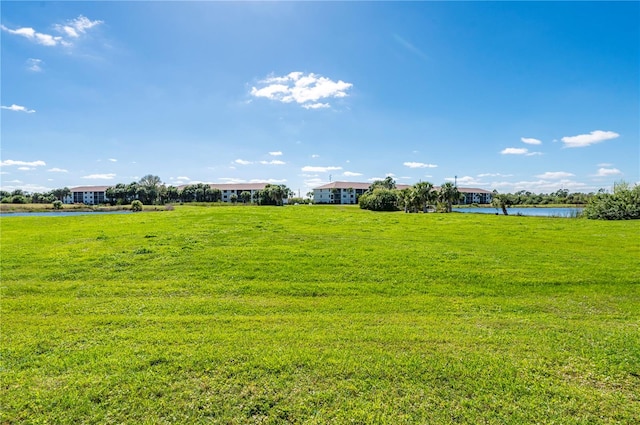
point(424, 194)
point(500, 202)
point(448, 194)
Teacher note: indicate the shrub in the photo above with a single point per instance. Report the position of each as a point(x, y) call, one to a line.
point(136, 206)
point(57, 205)
point(380, 199)
point(622, 204)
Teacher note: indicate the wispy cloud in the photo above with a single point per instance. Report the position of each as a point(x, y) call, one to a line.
point(465, 180)
point(554, 175)
point(530, 141)
point(36, 37)
point(242, 162)
point(34, 65)
point(18, 108)
point(109, 176)
point(494, 175)
point(419, 165)
point(11, 162)
point(275, 153)
point(351, 174)
point(306, 90)
point(606, 172)
point(71, 30)
point(57, 170)
point(113, 160)
point(273, 162)
point(582, 140)
point(409, 46)
point(312, 169)
point(519, 151)
point(315, 156)
point(76, 27)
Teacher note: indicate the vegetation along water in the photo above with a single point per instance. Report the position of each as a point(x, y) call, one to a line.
point(319, 314)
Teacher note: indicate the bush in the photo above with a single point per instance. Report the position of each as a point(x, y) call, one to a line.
point(57, 205)
point(380, 199)
point(622, 204)
point(136, 206)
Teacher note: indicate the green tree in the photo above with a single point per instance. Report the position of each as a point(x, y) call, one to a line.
point(151, 185)
point(61, 193)
point(57, 204)
point(448, 194)
point(501, 202)
point(622, 204)
point(424, 195)
point(380, 199)
point(245, 197)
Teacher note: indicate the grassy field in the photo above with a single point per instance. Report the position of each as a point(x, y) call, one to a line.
point(311, 314)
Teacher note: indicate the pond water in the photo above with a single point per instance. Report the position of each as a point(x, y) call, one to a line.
point(60, 213)
point(533, 211)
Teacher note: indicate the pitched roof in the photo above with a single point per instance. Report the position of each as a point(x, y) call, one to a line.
point(89, 189)
point(233, 186)
point(365, 186)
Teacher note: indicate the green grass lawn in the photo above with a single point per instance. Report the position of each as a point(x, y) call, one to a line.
point(312, 314)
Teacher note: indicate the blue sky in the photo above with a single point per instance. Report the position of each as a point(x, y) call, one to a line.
point(508, 95)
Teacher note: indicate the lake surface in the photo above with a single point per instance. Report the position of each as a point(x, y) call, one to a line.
point(533, 211)
point(60, 213)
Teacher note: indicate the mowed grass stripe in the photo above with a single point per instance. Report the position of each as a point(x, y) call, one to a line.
point(309, 314)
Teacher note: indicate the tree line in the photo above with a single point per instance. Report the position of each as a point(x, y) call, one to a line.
point(383, 195)
point(150, 190)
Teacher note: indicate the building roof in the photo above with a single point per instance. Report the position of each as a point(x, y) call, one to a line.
point(233, 186)
point(89, 189)
point(365, 186)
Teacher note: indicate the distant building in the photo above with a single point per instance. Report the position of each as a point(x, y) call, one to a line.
point(342, 192)
point(89, 195)
point(349, 192)
point(229, 189)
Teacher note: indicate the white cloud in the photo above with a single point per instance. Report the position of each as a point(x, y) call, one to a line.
point(57, 170)
point(592, 138)
point(25, 168)
point(305, 90)
point(10, 162)
point(315, 156)
point(466, 180)
point(316, 105)
point(419, 165)
point(351, 174)
point(36, 37)
point(108, 176)
point(242, 162)
point(18, 108)
point(75, 27)
point(554, 175)
point(542, 186)
point(605, 172)
point(183, 178)
point(34, 65)
point(494, 175)
point(272, 181)
point(275, 153)
point(113, 160)
point(311, 169)
point(273, 162)
point(605, 164)
point(530, 141)
point(519, 151)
